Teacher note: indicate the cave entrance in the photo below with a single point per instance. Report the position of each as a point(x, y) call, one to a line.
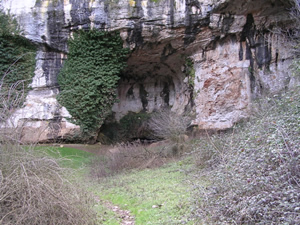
point(156, 78)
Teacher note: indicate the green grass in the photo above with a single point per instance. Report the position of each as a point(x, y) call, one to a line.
point(263, 148)
point(71, 157)
point(140, 191)
point(79, 161)
point(106, 215)
point(136, 191)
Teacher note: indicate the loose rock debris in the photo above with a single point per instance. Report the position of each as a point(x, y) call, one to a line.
point(124, 215)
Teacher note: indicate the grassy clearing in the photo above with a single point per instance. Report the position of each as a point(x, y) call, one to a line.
point(72, 158)
point(106, 216)
point(79, 161)
point(249, 175)
point(153, 196)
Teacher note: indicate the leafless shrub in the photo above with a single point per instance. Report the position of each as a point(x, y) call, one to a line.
point(210, 150)
point(288, 34)
point(166, 124)
point(128, 156)
point(11, 98)
point(295, 10)
point(34, 190)
point(11, 95)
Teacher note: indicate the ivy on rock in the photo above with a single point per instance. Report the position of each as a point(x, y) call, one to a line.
point(17, 63)
point(89, 77)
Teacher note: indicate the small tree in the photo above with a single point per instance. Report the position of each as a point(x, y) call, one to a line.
point(89, 77)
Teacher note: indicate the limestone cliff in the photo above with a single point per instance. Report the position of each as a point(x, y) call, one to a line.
point(235, 54)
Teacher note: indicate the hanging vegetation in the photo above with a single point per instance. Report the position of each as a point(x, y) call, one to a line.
point(17, 63)
point(89, 77)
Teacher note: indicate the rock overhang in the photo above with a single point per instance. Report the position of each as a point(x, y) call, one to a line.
point(234, 59)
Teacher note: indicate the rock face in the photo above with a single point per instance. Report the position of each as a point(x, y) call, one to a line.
point(210, 55)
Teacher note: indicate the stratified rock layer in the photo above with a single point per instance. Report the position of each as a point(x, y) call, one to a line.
point(235, 56)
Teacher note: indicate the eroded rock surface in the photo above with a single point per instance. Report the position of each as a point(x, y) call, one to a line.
point(235, 56)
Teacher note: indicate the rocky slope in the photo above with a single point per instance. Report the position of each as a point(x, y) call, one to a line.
point(212, 55)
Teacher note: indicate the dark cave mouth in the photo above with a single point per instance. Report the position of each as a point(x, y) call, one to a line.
point(137, 101)
point(157, 77)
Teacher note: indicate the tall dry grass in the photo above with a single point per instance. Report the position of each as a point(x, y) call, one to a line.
point(34, 188)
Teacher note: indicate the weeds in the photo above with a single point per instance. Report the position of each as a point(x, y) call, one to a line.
point(34, 190)
point(166, 124)
point(254, 176)
point(125, 157)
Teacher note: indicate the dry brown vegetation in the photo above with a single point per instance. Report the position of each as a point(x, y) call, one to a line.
point(136, 155)
point(252, 174)
point(166, 124)
point(34, 188)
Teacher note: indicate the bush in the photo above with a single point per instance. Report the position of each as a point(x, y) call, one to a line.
point(166, 124)
point(257, 176)
point(34, 190)
point(127, 156)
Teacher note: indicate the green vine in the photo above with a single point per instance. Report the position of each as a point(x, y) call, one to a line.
point(190, 71)
point(89, 77)
point(17, 62)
